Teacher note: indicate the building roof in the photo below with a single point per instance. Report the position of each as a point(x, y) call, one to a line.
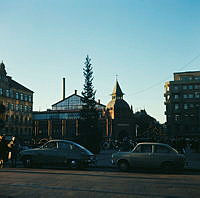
point(17, 85)
point(117, 90)
point(117, 101)
point(118, 105)
point(75, 94)
point(188, 72)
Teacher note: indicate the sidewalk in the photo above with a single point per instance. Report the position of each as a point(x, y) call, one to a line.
point(104, 160)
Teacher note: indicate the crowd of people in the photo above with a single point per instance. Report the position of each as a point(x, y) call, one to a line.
point(10, 147)
point(182, 145)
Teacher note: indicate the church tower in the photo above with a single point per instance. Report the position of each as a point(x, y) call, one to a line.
point(121, 117)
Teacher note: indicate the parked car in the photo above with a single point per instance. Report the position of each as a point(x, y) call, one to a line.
point(149, 155)
point(59, 153)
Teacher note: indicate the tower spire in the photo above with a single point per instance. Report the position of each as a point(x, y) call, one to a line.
point(117, 92)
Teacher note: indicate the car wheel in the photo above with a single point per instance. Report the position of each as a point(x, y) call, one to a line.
point(123, 165)
point(74, 164)
point(27, 162)
point(167, 166)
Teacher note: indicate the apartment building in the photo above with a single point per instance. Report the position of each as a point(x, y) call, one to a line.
point(18, 103)
point(182, 100)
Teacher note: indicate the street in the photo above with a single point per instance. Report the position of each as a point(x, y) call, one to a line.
point(37, 183)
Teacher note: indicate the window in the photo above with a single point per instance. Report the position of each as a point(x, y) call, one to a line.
point(175, 87)
point(21, 108)
point(144, 148)
point(191, 105)
point(185, 106)
point(190, 95)
point(25, 97)
point(11, 93)
point(185, 96)
point(17, 107)
point(12, 107)
point(50, 145)
point(190, 87)
point(63, 146)
point(186, 78)
point(7, 93)
point(73, 147)
point(1, 91)
point(184, 87)
point(197, 95)
point(29, 98)
point(162, 149)
point(176, 106)
point(196, 86)
point(17, 96)
point(21, 96)
point(176, 96)
point(177, 117)
point(197, 78)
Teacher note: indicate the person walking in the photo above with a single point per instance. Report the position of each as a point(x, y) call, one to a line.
point(3, 151)
point(14, 153)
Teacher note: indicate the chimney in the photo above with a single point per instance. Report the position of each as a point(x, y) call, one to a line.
point(99, 101)
point(75, 92)
point(63, 88)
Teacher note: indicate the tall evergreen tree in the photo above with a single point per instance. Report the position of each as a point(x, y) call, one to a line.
point(89, 108)
point(89, 114)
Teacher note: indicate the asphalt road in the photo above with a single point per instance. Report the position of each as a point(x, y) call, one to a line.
point(53, 183)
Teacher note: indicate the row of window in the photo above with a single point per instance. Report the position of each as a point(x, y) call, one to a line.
point(186, 116)
point(186, 87)
point(186, 106)
point(16, 118)
point(19, 107)
point(19, 131)
point(187, 96)
point(189, 78)
point(18, 96)
point(49, 116)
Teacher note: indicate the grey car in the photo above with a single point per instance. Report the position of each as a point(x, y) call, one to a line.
point(58, 153)
point(149, 155)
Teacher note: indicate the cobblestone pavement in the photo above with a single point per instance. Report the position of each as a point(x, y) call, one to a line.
point(54, 183)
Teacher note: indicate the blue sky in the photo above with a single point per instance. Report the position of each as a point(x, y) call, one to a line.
point(142, 41)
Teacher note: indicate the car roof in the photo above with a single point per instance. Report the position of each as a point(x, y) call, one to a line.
point(153, 143)
point(67, 141)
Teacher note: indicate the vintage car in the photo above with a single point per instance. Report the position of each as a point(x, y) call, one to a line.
point(149, 155)
point(58, 153)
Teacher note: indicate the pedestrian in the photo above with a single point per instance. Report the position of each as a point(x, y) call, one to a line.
point(3, 152)
point(14, 153)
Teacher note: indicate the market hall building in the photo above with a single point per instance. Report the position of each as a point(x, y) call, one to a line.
point(116, 119)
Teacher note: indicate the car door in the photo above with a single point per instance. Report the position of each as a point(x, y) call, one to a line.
point(63, 154)
point(75, 152)
point(48, 153)
point(141, 157)
point(162, 153)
